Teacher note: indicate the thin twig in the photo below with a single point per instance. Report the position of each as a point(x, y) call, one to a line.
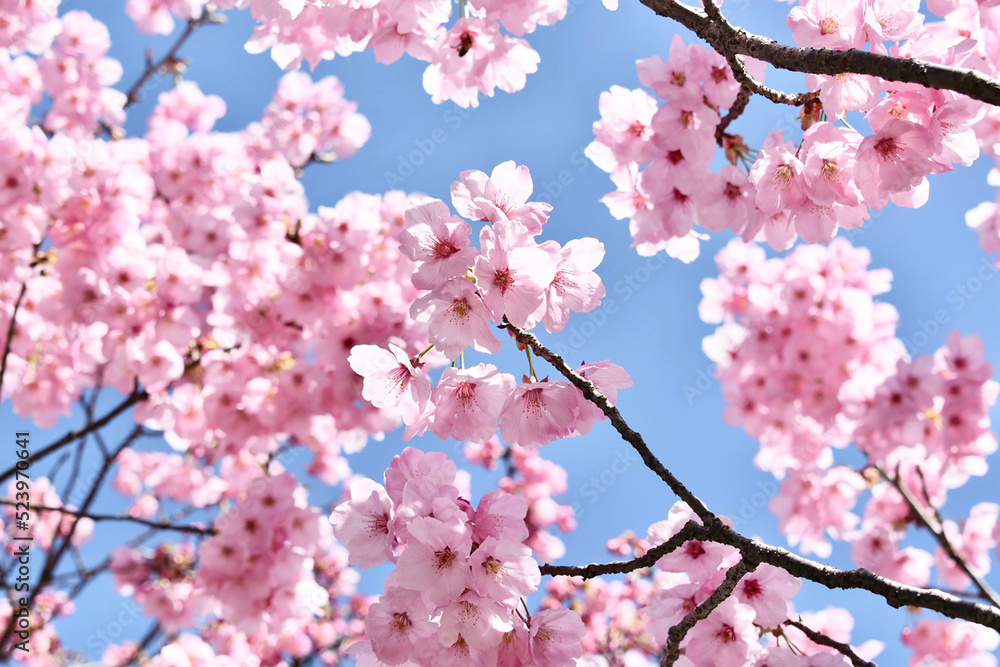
point(132, 96)
point(735, 111)
point(819, 638)
point(10, 334)
point(627, 433)
point(199, 530)
point(691, 530)
point(937, 530)
point(55, 553)
point(136, 396)
point(151, 634)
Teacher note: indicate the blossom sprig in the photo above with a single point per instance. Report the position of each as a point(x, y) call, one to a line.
point(468, 292)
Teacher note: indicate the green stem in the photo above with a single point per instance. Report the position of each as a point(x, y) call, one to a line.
point(531, 366)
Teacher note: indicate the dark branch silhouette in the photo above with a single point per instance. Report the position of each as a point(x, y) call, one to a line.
point(730, 40)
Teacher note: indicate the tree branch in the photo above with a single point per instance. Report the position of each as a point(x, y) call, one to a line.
point(169, 60)
point(819, 638)
point(611, 412)
point(677, 633)
point(55, 553)
point(735, 111)
point(136, 396)
point(691, 530)
point(894, 593)
point(199, 530)
point(937, 530)
point(728, 39)
point(10, 334)
point(740, 71)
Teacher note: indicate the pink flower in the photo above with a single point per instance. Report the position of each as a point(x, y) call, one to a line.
point(512, 275)
point(397, 623)
point(479, 619)
point(468, 401)
point(457, 318)
point(777, 176)
point(437, 240)
point(555, 637)
point(728, 202)
point(767, 590)
point(893, 160)
point(608, 378)
point(537, 413)
point(364, 524)
point(473, 57)
point(504, 570)
point(625, 128)
point(676, 80)
point(503, 195)
point(724, 638)
point(436, 561)
point(501, 515)
point(575, 287)
point(828, 164)
point(844, 92)
point(687, 126)
point(434, 468)
point(391, 379)
point(827, 24)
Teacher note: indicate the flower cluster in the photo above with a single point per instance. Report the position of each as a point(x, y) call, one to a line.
point(509, 278)
point(808, 361)
point(660, 154)
point(460, 575)
point(266, 570)
point(537, 480)
point(798, 335)
point(479, 52)
point(184, 269)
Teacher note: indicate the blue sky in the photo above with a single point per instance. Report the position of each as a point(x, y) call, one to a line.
point(649, 323)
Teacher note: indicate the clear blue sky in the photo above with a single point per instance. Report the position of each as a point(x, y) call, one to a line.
point(655, 332)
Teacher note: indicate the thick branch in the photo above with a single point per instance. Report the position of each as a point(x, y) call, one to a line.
point(691, 530)
point(819, 638)
point(937, 530)
point(678, 632)
point(728, 39)
point(741, 74)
